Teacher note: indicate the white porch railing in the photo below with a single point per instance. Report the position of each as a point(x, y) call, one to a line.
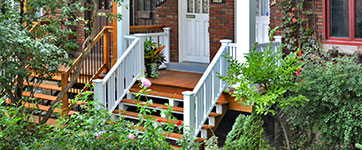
point(199, 103)
point(114, 86)
point(161, 38)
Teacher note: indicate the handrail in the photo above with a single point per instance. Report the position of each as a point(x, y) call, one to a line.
point(199, 103)
point(65, 75)
point(96, 39)
point(146, 28)
point(110, 90)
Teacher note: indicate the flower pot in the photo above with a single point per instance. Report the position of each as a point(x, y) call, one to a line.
point(152, 70)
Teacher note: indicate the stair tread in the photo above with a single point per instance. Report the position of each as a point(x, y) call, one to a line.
point(51, 87)
point(176, 135)
point(48, 97)
point(80, 80)
point(43, 107)
point(162, 119)
point(176, 95)
point(155, 105)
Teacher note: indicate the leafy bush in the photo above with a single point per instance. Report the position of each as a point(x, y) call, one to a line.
point(92, 129)
point(247, 133)
point(332, 117)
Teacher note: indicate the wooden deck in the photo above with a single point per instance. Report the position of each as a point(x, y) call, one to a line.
point(186, 80)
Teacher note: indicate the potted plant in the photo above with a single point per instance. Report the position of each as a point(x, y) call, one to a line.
point(154, 57)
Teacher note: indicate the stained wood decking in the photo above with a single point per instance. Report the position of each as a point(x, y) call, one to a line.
point(186, 80)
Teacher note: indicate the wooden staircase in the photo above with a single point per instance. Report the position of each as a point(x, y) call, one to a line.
point(168, 90)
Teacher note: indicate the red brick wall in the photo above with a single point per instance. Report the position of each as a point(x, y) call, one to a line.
point(221, 24)
point(167, 14)
point(316, 20)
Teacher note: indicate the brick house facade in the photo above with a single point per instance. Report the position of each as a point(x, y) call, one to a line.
point(319, 17)
point(221, 24)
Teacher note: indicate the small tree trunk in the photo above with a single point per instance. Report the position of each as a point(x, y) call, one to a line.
point(282, 124)
point(87, 44)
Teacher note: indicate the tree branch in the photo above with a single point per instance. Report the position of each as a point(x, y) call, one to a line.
point(79, 66)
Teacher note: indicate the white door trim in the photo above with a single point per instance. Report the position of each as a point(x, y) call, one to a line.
point(181, 12)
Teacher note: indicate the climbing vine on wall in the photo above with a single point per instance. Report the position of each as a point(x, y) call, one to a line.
point(298, 25)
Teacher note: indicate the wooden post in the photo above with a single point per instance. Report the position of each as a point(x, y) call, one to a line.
point(64, 82)
point(114, 44)
point(106, 50)
point(189, 112)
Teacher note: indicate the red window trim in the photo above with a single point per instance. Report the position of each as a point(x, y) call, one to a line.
point(351, 40)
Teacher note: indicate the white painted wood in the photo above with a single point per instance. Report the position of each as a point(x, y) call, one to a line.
point(123, 27)
point(127, 69)
point(245, 36)
point(189, 112)
point(204, 134)
point(207, 91)
point(99, 96)
point(262, 20)
point(194, 38)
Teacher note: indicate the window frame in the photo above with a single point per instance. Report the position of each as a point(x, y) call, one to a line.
point(351, 39)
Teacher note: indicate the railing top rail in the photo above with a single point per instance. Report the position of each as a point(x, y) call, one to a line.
point(149, 34)
point(119, 61)
point(146, 28)
point(130, 37)
point(209, 68)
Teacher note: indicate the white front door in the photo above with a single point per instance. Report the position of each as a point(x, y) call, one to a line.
point(262, 21)
point(194, 31)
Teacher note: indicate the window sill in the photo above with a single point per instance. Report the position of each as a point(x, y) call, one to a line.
point(343, 42)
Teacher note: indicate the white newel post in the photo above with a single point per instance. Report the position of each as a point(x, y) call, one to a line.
point(189, 111)
point(98, 93)
point(166, 30)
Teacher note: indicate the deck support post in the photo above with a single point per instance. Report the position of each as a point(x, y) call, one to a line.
point(98, 93)
point(64, 82)
point(189, 112)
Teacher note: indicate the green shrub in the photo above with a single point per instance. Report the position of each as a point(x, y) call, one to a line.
point(332, 117)
point(247, 133)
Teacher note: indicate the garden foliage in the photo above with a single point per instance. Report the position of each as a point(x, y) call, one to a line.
point(332, 117)
point(92, 129)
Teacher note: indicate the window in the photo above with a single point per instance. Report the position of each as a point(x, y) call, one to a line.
point(344, 20)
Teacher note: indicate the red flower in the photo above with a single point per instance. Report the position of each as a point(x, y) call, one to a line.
point(178, 123)
point(159, 120)
point(298, 70)
point(300, 53)
point(297, 73)
point(290, 14)
point(303, 80)
point(293, 8)
point(294, 20)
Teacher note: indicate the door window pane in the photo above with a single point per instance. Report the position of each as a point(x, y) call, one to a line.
point(264, 8)
point(190, 6)
point(358, 18)
point(205, 6)
point(339, 22)
point(197, 6)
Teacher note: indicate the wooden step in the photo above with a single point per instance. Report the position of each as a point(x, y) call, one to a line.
point(162, 119)
point(48, 97)
point(42, 107)
point(52, 87)
point(179, 79)
point(174, 93)
point(175, 136)
point(82, 79)
point(154, 105)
